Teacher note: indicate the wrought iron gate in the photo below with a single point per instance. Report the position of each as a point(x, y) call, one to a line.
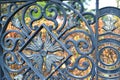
point(58, 40)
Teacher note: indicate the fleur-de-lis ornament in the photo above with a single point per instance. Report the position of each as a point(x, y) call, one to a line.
point(43, 48)
point(18, 77)
point(24, 30)
point(109, 23)
point(16, 22)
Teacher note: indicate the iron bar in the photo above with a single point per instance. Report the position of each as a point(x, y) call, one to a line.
point(96, 35)
point(12, 1)
point(1, 72)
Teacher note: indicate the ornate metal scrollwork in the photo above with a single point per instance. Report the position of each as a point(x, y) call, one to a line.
point(109, 44)
point(65, 48)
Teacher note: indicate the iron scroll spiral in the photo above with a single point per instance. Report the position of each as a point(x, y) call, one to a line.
point(111, 44)
point(35, 52)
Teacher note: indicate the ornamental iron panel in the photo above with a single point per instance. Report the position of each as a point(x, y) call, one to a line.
point(58, 40)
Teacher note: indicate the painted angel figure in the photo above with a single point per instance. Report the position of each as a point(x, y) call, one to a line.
point(43, 48)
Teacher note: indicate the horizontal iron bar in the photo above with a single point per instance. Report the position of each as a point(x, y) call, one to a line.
point(12, 1)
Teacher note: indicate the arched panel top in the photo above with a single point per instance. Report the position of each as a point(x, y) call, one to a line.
point(109, 10)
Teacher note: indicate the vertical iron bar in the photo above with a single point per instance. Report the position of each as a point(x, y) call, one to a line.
point(96, 35)
point(0, 54)
point(0, 15)
point(1, 72)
